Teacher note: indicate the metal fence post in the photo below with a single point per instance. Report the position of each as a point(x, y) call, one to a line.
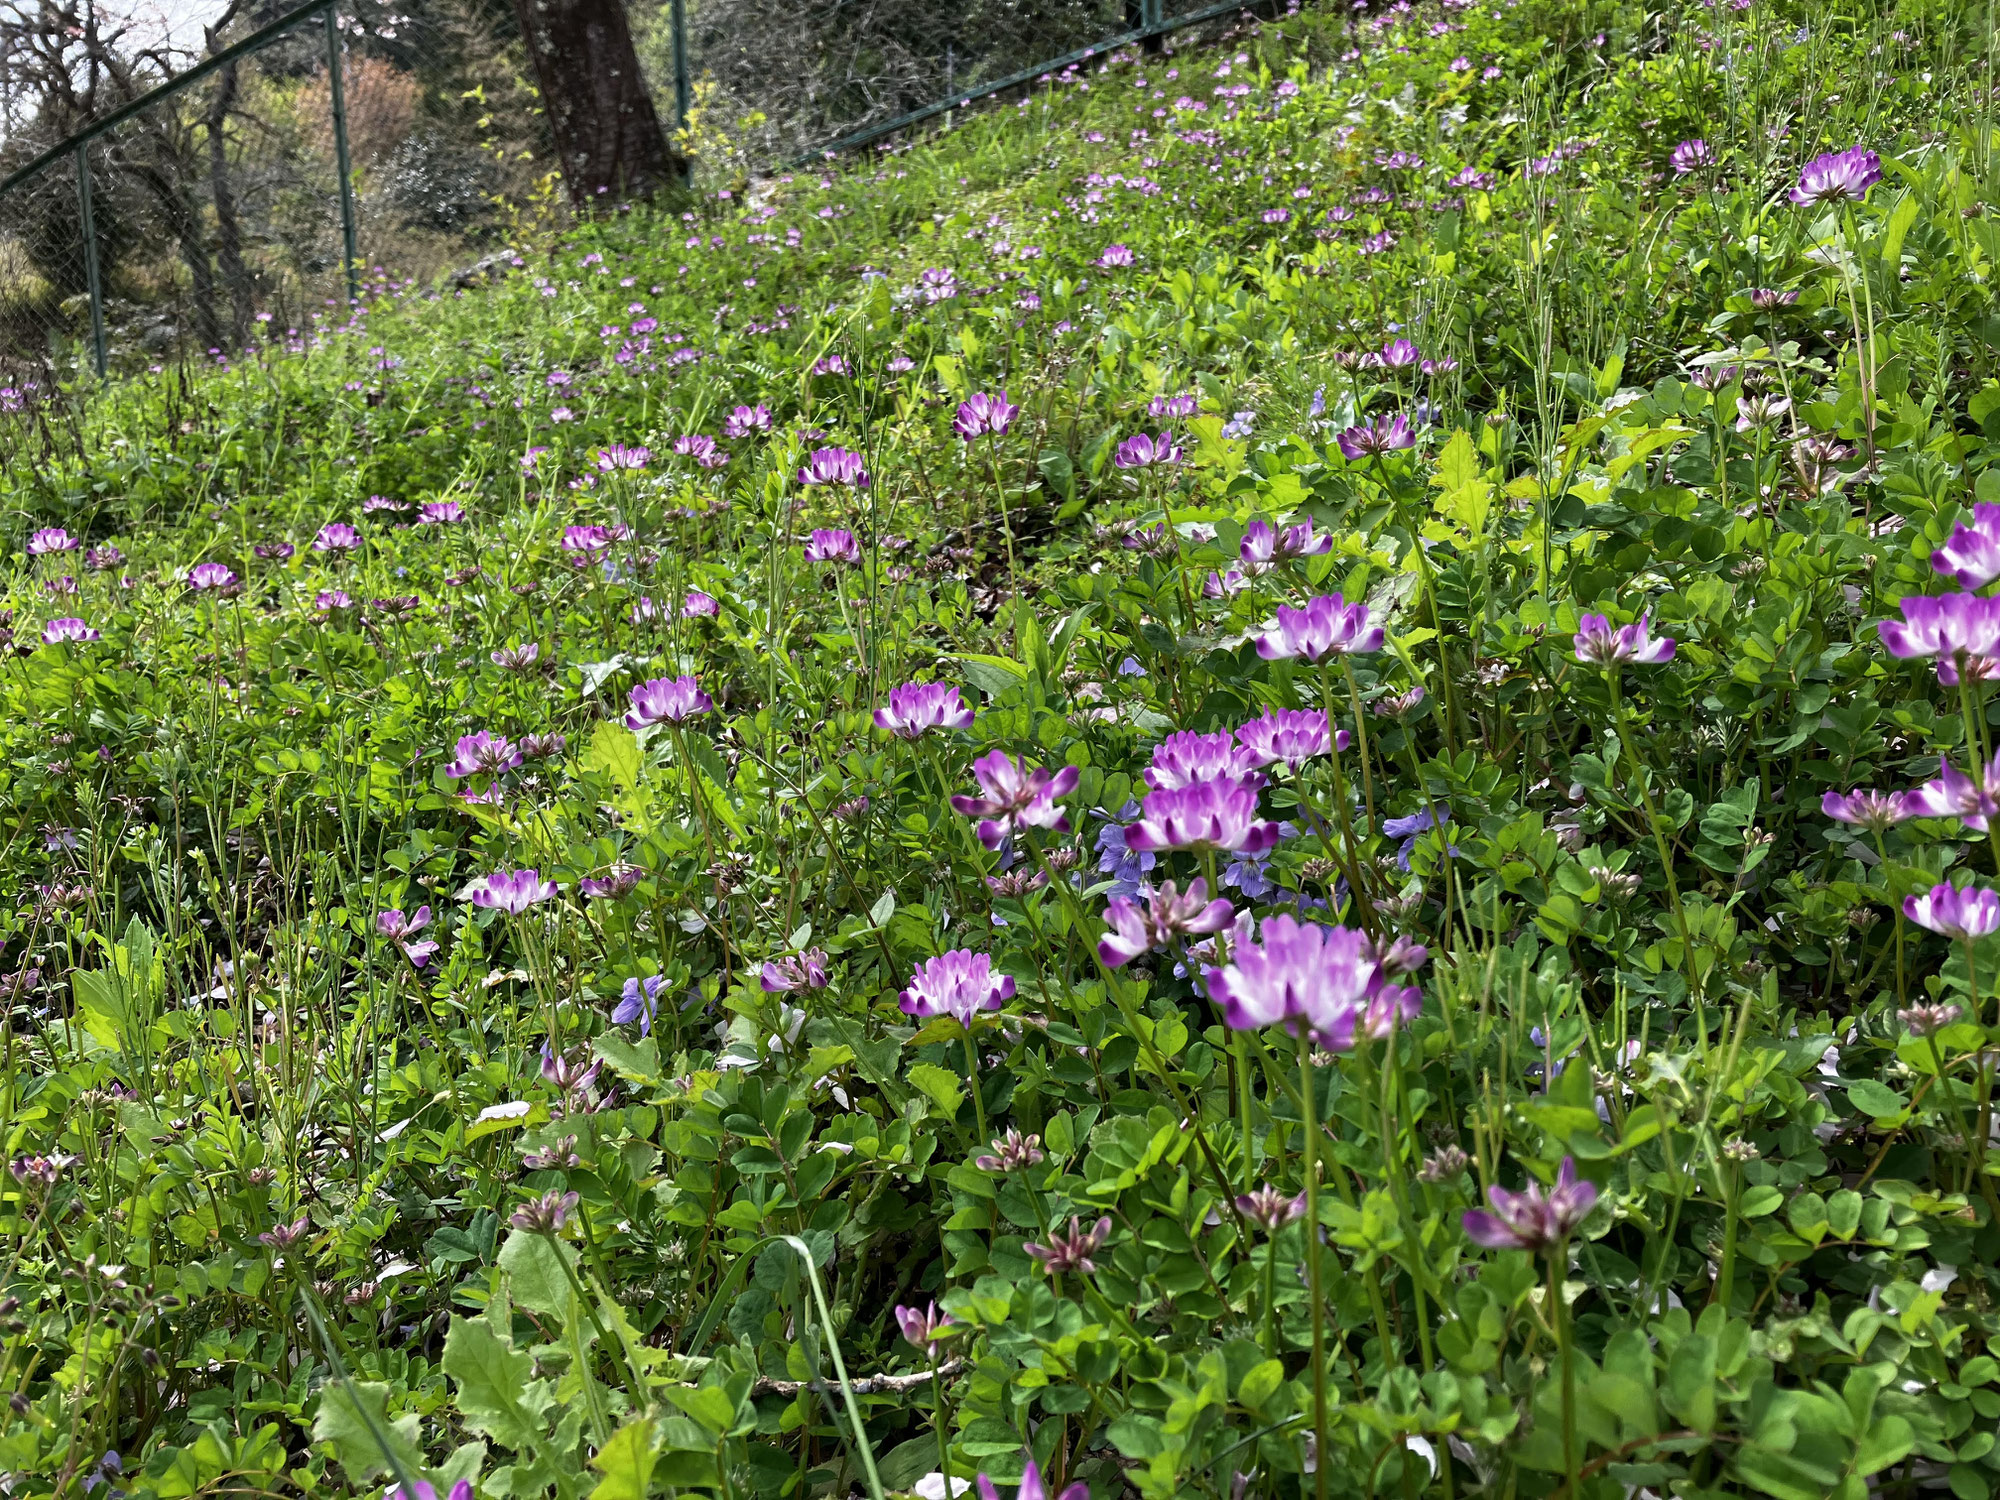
point(90, 267)
point(345, 168)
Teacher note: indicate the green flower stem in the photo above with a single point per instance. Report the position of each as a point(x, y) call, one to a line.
point(972, 1082)
point(1622, 719)
point(1310, 1234)
point(1559, 1319)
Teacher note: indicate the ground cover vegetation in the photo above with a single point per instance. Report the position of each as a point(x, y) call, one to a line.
point(1270, 777)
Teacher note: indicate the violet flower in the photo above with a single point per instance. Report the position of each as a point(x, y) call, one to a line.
point(1301, 976)
point(1141, 451)
point(336, 537)
point(1071, 1252)
point(671, 700)
point(1691, 156)
point(744, 420)
point(1866, 808)
point(619, 881)
point(618, 456)
point(1167, 916)
point(803, 971)
point(1397, 354)
point(1291, 735)
point(1533, 1219)
point(1950, 912)
point(68, 629)
point(1215, 814)
point(1016, 797)
point(1971, 555)
point(50, 539)
point(921, 1326)
point(1373, 439)
point(699, 606)
point(440, 513)
point(1953, 794)
point(512, 891)
point(835, 546)
point(960, 984)
point(1114, 257)
point(395, 927)
point(984, 415)
point(916, 708)
point(1183, 758)
point(212, 576)
point(1838, 177)
point(834, 466)
point(483, 754)
point(1327, 626)
point(1597, 644)
point(1269, 1209)
point(1032, 1487)
point(1961, 630)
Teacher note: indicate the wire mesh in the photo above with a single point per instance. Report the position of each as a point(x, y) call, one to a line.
point(217, 213)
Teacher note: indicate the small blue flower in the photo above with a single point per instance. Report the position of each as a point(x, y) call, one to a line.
point(641, 1003)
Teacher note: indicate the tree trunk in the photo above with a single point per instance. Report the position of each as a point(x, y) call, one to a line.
point(606, 130)
point(228, 231)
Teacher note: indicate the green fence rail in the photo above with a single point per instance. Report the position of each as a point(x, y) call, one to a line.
point(259, 194)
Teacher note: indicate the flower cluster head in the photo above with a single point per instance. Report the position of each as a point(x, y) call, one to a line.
point(1072, 1251)
point(923, 1326)
point(546, 1214)
point(569, 1074)
point(1327, 626)
point(916, 708)
point(51, 539)
point(800, 971)
point(984, 414)
point(1533, 1218)
point(832, 546)
point(1961, 630)
point(394, 926)
point(512, 891)
point(1142, 451)
point(834, 466)
point(425, 1490)
point(1269, 1209)
point(1032, 1487)
point(1185, 757)
point(669, 700)
point(960, 984)
point(1866, 808)
point(285, 1236)
point(1159, 919)
point(1263, 548)
point(483, 754)
point(1838, 177)
point(1950, 912)
point(336, 537)
point(744, 420)
point(1691, 156)
point(212, 577)
point(68, 630)
point(639, 1001)
point(1372, 439)
point(1011, 1152)
point(1951, 794)
point(440, 513)
point(618, 456)
point(1599, 645)
point(700, 606)
point(1291, 735)
point(1926, 1019)
point(1015, 797)
point(1325, 983)
point(619, 880)
point(1115, 257)
point(1220, 813)
point(1971, 555)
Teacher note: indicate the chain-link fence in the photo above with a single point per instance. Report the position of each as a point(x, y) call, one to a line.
point(250, 199)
